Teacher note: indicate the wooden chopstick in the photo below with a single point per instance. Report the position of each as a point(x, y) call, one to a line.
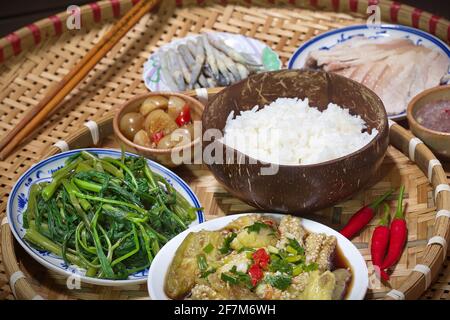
point(57, 93)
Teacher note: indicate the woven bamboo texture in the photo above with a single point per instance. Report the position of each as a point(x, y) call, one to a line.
point(39, 55)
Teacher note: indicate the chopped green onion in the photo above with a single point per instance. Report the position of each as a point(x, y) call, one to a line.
point(297, 270)
point(206, 273)
point(272, 249)
point(201, 262)
point(291, 250)
point(208, 248)
point(294, 258)
point(230, 279)
point(226, 247)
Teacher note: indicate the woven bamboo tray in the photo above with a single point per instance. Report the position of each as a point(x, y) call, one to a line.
point(39, 55)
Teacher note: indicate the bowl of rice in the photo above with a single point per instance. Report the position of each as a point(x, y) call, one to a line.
point(295, 140)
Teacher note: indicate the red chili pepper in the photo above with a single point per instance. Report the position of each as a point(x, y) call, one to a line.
point(380, 241)
point(255, 273)
point(184, 117)
point(399, 232)
point(361, 218)
point(261, 258)
point(157, 136)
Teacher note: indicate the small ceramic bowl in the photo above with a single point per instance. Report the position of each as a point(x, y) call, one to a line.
point(439, 142)
point(163, 156)
point(297, 189)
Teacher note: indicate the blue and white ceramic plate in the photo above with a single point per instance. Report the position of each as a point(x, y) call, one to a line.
point(42, 171)
point(327, 40)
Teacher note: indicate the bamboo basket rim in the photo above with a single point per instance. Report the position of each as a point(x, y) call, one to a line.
point(35, 33)
point(28, 37)
point(400, 139)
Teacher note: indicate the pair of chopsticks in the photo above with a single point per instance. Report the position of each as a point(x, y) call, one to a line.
point(57, 93)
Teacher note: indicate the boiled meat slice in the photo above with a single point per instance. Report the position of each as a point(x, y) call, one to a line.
point(395, 69)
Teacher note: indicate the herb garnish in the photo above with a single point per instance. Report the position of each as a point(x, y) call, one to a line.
point(206, 273)
point(290, 261)
point(226, 247)
point(311, 267)
point(237, 277)
point(281, 282)
point(230, 279)
point(257, 226)
point(296, 246)
point(280, 265)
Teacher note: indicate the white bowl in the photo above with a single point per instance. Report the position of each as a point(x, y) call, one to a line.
point(162, 261)
point(42, 171)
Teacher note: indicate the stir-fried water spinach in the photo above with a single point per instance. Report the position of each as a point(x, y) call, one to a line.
point(108, 216)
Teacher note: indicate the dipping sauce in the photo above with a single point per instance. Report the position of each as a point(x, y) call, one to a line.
point(435, 116)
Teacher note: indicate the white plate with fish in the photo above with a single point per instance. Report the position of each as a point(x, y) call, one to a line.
point(213, 59)
point(389, 59)
point(344, 255)
point(19, 201)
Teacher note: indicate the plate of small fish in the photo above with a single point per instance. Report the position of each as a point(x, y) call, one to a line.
point(387, 59)
point(214, 59)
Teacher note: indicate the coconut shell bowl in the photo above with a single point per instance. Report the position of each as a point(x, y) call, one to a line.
point(297, 189)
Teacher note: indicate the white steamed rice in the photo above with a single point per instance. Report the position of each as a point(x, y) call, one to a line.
point(288, 131)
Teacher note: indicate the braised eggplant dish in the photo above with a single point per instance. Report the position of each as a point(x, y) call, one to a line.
point(257, 257)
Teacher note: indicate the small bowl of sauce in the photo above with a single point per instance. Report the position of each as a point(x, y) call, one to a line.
point(429, 119)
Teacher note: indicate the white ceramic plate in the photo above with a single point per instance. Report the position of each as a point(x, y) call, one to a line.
point(163, 259)
point(42, 171)
point(327, 40)
point(260, 52)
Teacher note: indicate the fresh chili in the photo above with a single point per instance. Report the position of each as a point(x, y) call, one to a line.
point(157, 136)
point(260, 261)
point(184, 117)
point(256, 273)
point(399, 232)
point(380, 242)
point(261, 258)
point(361, 218)
point(269, 222)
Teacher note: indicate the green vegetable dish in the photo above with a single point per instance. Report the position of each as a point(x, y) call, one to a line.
point(256, 257)
point(107, 216)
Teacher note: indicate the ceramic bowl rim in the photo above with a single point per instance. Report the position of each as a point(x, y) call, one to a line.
point(413, 105)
